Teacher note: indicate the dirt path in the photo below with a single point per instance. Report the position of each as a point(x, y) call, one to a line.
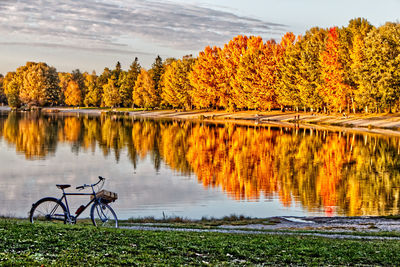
point(335, 227)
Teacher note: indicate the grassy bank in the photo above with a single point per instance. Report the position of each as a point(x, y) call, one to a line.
point(26, 244)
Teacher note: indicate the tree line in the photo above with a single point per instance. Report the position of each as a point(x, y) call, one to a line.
point(354, 68)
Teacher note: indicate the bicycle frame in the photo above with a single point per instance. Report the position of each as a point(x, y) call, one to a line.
point(64, 197)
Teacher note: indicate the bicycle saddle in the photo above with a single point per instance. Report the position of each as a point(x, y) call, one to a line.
point(63, 186)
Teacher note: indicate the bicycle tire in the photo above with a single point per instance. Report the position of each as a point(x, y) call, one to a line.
point(48, 209)
point(103, 215)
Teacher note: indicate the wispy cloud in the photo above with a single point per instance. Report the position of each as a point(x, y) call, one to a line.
point(79, 47)
point(100, 24)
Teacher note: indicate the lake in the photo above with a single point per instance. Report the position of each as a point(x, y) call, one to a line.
point(195, 169)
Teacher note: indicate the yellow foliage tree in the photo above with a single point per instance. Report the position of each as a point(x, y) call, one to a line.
point(176, 87)
point(144, 93)
point(72, 94)
point(253, 84)
point(111, 94)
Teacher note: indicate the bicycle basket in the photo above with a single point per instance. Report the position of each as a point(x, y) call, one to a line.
point(106, 196)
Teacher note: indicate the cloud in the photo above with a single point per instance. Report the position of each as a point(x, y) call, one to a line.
point(100, 24)
point(77, 47)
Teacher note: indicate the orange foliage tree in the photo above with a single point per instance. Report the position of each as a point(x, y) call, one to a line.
point(72, 94)
point(205, 78)
point(230, 59)
point(334, 90)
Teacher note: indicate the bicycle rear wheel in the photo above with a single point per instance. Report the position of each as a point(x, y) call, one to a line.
point(103, 215)
point(48, 209)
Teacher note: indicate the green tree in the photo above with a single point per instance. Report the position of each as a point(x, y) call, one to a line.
point(156, 71)
point(127, 82)
point(3, 98)
point(117, 71)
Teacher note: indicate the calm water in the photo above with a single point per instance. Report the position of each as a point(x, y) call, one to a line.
point(194, 169)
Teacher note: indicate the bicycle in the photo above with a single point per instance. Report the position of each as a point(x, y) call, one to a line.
point(50, 209)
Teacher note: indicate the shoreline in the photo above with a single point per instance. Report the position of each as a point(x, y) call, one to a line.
point(385, 124)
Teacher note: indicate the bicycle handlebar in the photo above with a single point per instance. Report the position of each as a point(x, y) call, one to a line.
point(90, 185)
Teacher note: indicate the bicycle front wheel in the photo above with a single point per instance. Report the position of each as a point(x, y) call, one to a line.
point(103, 215)
point(48, 210)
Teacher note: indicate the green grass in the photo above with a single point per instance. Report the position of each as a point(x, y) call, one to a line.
point(24, 244)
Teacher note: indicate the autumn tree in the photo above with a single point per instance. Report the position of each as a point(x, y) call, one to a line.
point(286, 88)
point(380, 82)
point(359, 29)
point(253, 84)
point(351, 50)
point(103, 80)
point(334, 91)
point(93, 92)
point(308, 77)
point(230, 57)
point(111, 95)
point(73, 94)
point(64, 78)
point(176, 87)
point(12, 84)
point(37, 85)
point(144, 93)
point(205, 78)
point(40, 84)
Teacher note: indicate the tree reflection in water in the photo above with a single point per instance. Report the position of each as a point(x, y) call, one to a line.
point(345, 173)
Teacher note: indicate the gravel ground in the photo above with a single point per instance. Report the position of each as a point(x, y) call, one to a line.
point(333, 224)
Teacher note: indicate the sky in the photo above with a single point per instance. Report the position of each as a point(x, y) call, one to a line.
point(94, 34)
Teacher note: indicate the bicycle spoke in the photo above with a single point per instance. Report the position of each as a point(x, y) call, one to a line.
point(103, 215)
point(47, 210)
